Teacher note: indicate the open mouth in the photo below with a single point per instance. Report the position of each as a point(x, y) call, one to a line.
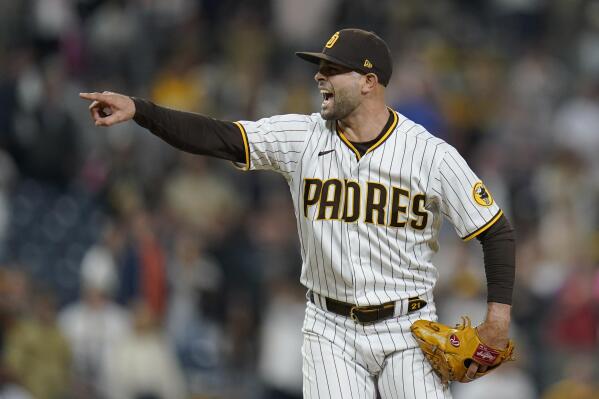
point(327, 96)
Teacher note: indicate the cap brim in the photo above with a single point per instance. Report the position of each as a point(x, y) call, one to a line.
point(315, 58)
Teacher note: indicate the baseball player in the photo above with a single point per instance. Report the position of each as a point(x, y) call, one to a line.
point(370, 189)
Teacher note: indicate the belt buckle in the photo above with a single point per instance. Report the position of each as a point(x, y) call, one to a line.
point(352, 314)
point(367, 309)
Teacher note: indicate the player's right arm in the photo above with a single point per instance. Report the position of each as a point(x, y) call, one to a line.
point(186, 131)
point(274, 143)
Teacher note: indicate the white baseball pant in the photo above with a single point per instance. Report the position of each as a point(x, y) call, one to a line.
point(343, 359)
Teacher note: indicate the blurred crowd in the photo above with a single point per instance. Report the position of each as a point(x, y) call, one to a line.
point(130, 270)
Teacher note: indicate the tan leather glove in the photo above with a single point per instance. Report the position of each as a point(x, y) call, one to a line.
point(450, 350)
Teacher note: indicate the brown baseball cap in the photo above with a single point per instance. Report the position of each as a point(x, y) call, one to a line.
point(357, 49)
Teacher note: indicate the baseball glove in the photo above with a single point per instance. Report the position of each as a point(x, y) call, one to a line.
point(451, 350)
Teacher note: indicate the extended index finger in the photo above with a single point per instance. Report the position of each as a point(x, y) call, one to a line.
point(92, 96)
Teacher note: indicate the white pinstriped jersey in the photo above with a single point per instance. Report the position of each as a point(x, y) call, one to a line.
point(368, 225)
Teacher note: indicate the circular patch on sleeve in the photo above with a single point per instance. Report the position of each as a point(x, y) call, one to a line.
point(481, 195)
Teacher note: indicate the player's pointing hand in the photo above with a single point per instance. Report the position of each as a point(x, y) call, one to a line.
point(109, 108)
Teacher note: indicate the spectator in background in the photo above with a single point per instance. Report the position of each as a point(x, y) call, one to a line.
point(15, 287)
point(36, 351)
point(113, 29)
point(302, 23)
point(94, 324)
point(195, 286)
point(272, 232)
point(8, 176)
point(587, 46)
point(578, 380)
point(151, 257)
point(200, 200)
point(51, 21)
point(139, 253)
point(45, 133)
point(416, 97)
point(568, 207)
point(180, 82)
point(194, 314)
point(575, 125)
point(141, 365)
point(10, 390)
point(573, 325)
point(280, 333)
point(14, 292)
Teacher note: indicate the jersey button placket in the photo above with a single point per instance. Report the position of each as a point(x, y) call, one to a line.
point(354, 254)
point(353, 229)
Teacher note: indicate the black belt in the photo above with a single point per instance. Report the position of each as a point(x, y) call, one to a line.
point(367, 314)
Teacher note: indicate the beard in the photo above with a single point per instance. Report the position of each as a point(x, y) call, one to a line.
point(342, 104)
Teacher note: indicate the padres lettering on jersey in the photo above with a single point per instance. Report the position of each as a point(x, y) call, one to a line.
point(368, 225)
point(336, 199)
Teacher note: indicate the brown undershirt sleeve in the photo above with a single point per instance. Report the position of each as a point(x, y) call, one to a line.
point(499, 250)
point(191, 132)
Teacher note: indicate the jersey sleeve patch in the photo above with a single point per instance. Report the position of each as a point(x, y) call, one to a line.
point(481, 195)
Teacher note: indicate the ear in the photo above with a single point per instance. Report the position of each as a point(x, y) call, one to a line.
point(371, 81)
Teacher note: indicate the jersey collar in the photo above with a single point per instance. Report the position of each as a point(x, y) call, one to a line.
point(385, 133)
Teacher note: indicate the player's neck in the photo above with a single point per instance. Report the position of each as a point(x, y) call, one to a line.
point(365, 123)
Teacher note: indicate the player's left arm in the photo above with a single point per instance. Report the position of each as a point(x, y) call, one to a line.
point(469, 205)
point(499, 250)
